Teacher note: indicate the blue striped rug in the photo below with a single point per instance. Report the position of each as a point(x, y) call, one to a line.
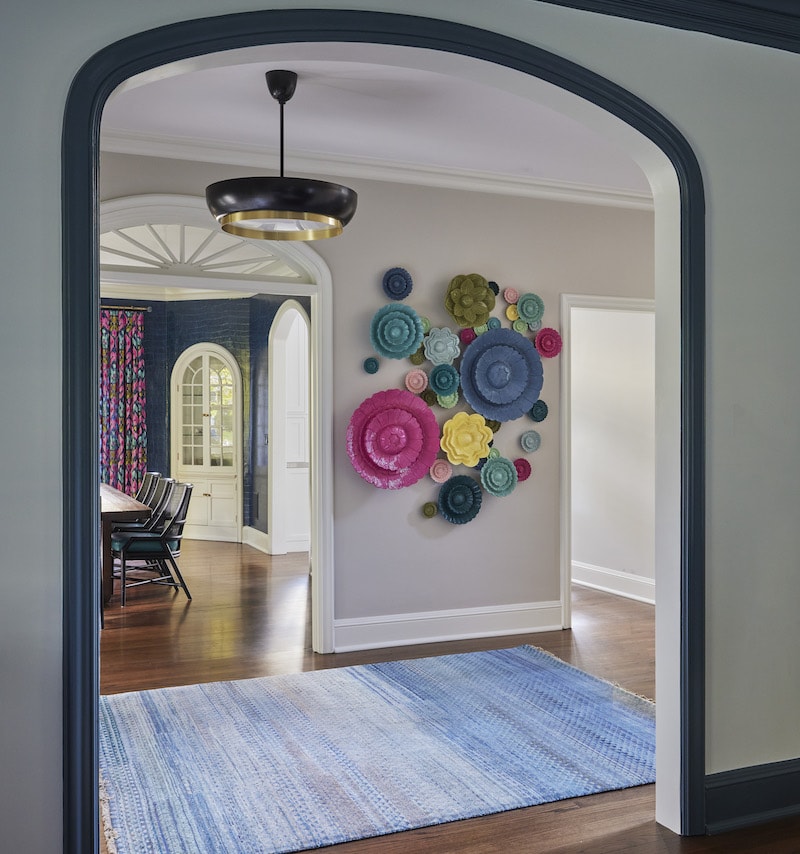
point(286, 763)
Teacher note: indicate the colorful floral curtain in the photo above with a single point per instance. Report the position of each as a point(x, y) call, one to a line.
point(123, 431)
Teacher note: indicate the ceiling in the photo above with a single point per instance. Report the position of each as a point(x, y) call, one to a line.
point(384, 112)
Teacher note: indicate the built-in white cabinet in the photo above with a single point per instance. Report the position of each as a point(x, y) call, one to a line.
point(206, 442)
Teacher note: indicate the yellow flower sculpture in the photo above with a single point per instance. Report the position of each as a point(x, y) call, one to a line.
point(465, 439)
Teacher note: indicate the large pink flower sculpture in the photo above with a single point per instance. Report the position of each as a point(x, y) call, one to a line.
point(465, 438)
point(392, 439)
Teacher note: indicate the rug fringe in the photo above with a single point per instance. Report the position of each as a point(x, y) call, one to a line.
point(105, 814)
point(649, 700)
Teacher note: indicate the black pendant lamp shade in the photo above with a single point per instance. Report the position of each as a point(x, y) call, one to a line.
point(270, 208)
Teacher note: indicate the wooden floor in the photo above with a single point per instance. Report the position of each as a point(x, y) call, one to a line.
point(250, 617)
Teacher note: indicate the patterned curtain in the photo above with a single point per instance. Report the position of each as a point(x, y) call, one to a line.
point(123, 431)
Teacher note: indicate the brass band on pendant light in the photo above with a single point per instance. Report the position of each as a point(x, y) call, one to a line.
point(269, 208)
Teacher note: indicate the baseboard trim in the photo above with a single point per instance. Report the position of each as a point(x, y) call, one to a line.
point(257, 539)
point(297, 544)
point(613, 581)
point(755, 795)
point(436, 626)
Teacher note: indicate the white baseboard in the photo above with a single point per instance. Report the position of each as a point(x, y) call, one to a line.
point(613, 581)
point(257, 539)
point(298, 544)
point(435, 626)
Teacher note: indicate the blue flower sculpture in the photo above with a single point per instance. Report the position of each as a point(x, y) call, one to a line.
point(397, 283)
point(396, 331)
point(460, 499)
point(501, 374)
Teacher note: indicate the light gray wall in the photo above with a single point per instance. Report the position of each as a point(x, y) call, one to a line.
point(612, 447)
point(389, 559)
point(737, 105)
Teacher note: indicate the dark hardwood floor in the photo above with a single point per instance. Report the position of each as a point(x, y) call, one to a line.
point(250, 617)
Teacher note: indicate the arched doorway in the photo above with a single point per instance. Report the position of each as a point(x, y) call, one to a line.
point(288, 453)
point(679, 198)
point(157, 244)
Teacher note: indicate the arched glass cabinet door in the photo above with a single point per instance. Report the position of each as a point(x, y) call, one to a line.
point(208, 414)
point(207, 438)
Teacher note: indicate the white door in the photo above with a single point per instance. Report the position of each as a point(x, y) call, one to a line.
point(207, 440)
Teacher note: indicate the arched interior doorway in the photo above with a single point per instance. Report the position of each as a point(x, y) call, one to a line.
point(679, 200)
point(163, 246)
point(288, 466)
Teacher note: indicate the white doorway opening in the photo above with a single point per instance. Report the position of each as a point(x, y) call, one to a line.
point(608, 481)
point(288, 465)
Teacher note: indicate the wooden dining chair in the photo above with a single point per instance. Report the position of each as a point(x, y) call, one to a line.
point(154, 551)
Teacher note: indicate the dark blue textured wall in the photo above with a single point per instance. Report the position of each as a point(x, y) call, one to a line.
point(242, 327)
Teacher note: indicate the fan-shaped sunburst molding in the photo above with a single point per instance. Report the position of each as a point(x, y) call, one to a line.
point(165, 238)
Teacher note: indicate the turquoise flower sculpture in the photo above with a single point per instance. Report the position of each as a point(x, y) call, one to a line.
point(395, 331)
point(530, 307)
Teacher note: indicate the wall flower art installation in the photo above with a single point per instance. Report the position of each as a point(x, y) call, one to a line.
point(488, 368)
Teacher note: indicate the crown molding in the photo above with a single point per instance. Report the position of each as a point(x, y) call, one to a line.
point(194, 150)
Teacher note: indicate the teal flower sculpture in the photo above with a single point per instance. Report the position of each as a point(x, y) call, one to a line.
point(460, 499)
point(499, 476)
point(444, 380)
point(538, 411)
point(395, 331)
point(530, 307)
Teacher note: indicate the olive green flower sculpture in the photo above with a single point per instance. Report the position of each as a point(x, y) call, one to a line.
point(469, 300)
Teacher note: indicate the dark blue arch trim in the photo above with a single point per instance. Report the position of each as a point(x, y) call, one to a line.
point(775, 23)
point(90, 89)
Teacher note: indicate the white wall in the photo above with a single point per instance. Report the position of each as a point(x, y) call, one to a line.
point(612, 457)
point(737, 105)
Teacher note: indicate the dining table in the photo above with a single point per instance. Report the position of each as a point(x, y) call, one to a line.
point(115, 506)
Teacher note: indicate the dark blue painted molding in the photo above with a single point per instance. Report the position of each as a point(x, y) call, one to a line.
point(746, 796)
point(93, 84)
point(773, 23)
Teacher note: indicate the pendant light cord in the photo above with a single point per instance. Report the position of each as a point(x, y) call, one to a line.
point(281, 106)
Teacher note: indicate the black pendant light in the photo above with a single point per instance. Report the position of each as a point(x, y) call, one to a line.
point(281, 208)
